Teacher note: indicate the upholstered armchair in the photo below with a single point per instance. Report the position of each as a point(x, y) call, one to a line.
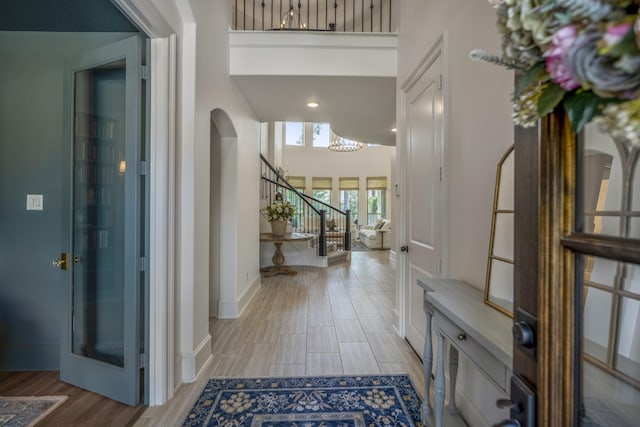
point(376, 236)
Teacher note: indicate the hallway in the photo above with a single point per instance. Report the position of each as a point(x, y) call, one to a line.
point(329, 321)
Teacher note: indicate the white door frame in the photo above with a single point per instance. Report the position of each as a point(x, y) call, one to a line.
point(402, 274)
point(162, 218)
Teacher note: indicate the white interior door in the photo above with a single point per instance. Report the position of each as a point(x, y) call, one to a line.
point(424, 209)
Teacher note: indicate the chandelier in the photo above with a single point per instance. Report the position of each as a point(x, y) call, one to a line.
point(343, 145)
point(291, 20)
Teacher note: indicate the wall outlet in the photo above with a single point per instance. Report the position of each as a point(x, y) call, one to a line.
point(35, 202)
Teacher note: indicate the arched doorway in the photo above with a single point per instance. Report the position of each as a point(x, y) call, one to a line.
point(223, 216)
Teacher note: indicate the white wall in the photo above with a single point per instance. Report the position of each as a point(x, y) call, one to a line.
point(215, 89)
point(203, 85)
point(478, 132)
point(479, 128)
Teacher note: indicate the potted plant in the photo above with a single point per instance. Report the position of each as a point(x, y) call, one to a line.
point(278, 214)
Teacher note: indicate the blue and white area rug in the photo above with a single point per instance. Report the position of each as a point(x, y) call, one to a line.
point(345, 401)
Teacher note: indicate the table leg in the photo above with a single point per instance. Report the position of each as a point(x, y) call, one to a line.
point(427, 357)
point(439, 386)
point(453, 374)
point(278, 261)
point(278, 256)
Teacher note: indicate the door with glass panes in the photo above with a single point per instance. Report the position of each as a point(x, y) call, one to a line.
point(577, 277)
point(105, 199)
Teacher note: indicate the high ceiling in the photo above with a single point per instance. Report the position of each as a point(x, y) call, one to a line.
point(358, 108)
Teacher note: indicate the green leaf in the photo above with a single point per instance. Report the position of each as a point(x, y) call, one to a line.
point(550, 98)
point(563, 18)
point(582, 108)
point(535, 73)
point(627, 45)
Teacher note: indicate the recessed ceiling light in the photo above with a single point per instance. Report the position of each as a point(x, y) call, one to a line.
point(313, 104)
point(394, 130)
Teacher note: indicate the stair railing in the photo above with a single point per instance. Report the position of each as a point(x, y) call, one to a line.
point(338, 222)
point(331, 225)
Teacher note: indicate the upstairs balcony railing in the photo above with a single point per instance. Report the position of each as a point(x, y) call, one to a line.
point(354, 16)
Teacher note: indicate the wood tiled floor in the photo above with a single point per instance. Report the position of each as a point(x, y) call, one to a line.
point(330, 321)
point(82, 408)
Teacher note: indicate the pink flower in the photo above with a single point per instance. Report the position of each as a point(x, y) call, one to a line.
point(615, 32)
point(561, 41)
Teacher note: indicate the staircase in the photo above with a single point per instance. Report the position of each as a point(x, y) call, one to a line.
point(330, 226)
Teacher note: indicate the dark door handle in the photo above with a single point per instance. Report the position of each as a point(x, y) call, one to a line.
point(507, 404)
point(522, 405)
point(508, 423)
point(523, 334)
point(404, 249)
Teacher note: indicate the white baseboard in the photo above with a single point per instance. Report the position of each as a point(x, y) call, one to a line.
point(396, 321)
point(248, 294)
point(233, 309)
point(194, 362)
point(228, 310)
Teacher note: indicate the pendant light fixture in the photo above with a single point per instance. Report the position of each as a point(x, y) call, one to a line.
point(291, 20)
point(343, 145)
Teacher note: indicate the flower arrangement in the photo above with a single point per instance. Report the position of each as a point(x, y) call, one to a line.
point(581, 54)
point(279, 211)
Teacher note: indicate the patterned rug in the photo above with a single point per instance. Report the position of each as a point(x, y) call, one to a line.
point(26, 411)
point(383, 401)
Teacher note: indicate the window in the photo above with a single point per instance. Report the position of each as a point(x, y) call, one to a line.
point(321, 134)
point(349, 195)
point(294, 133)
point(298, 182)
point(376, 199)
point(322, 191)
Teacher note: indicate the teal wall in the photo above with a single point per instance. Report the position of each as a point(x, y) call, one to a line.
point(31, 142)
point(62, 15)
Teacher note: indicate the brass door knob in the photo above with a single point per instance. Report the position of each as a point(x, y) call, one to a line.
point(61, 262)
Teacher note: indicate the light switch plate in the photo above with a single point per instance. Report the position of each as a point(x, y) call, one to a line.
point(35, 202)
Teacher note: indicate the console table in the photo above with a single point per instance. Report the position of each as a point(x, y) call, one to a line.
point(278, 256)
point(461, 319)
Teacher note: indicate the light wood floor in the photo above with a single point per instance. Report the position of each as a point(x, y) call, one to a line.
point(329, 321)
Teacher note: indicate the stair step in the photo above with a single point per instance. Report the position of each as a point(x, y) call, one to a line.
point(337, 256)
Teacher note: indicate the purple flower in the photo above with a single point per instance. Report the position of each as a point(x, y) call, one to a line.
point(615, 32)
point(606, 76)
point(561, 42)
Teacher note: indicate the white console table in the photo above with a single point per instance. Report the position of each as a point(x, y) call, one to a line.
point(462, 319)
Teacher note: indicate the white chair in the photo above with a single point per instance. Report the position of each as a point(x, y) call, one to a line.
point(373, 236)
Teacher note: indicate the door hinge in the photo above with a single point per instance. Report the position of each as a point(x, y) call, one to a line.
point(440, 173)
point(145, 72)
point(142, 360)
point(440, 81)
point(143, 167)
point(143, 264)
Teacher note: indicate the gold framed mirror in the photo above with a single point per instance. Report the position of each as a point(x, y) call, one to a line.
point(498, 290)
